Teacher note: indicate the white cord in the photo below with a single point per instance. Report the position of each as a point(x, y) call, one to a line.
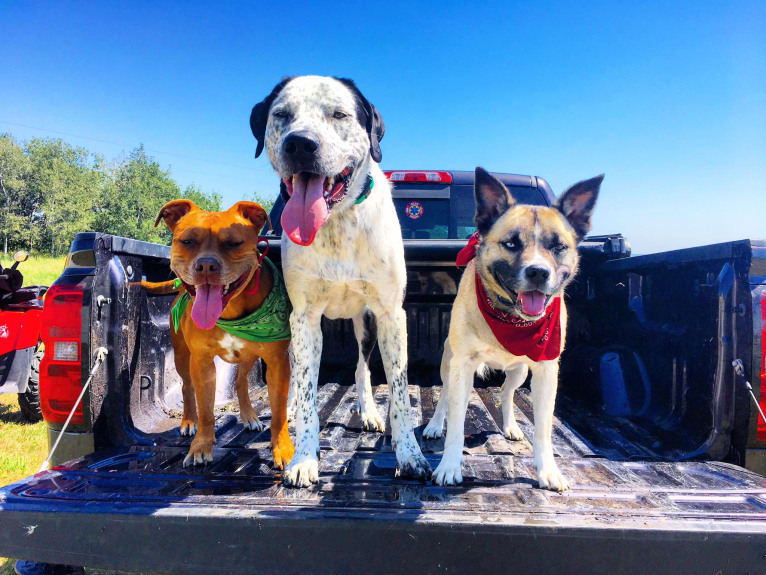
point(101, 354)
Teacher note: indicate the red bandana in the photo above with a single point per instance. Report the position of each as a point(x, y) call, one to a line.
point(538, 340)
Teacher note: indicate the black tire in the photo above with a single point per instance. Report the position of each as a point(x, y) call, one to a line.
point(29, 402)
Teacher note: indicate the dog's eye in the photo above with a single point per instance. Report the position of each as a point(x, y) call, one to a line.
point(186, 242)
point(338, 115)
point(232, 244)
point(282, 114)
point(559, 248)
point(513, 244)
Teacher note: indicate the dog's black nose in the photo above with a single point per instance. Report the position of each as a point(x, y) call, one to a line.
point(301, 144)
point(207, 265)
point(537, 275)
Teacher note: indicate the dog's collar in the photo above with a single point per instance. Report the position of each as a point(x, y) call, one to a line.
point(367, 189)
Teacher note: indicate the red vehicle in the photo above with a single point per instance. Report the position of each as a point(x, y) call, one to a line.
point(21, 311)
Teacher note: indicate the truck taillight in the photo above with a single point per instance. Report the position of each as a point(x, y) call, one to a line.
point(419, 176)
point(61, 370)
point(762, 401)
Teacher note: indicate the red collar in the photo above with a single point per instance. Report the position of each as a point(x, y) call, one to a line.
point(538, 340)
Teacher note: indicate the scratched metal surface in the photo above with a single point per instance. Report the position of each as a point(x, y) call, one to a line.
point(357, 473)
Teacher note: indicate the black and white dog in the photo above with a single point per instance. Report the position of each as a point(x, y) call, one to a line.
point(344, 257)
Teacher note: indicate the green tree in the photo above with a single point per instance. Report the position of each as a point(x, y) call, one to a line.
point(65, 188)
point(17, 207)
point(210, 202)
point(133, 196)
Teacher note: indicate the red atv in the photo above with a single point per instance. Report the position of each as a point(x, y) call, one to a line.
point(21, 311)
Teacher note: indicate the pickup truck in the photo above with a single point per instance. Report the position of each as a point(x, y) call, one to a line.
point(655, 427)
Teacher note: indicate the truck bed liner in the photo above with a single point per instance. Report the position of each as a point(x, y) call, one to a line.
point(617, 513)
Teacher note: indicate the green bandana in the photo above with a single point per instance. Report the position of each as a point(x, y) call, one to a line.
point(270, 322)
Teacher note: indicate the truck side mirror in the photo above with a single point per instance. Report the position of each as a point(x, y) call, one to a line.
point(20, 256)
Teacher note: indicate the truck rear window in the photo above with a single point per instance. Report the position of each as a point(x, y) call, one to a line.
point(423, 218)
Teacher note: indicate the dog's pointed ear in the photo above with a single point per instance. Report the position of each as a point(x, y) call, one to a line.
point(259, 115)
point(173, 211)
point(577, 204)
point(492, 199)
point(253, 212)
point(369, 118)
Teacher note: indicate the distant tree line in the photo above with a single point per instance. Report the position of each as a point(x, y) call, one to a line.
point(50, 190)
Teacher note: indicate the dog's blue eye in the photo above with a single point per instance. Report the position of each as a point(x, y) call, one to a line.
point(338, 115)
point(280, 114)
point(513, 244)
point(186, 242)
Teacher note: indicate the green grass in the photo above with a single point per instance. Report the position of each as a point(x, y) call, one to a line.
point(23, 448)
point(38, 269)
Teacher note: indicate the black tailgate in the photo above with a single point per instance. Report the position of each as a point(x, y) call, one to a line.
point(136, 508)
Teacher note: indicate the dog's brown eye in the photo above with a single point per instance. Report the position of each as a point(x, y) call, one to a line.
point(338, 115)
point(186, 242)
point(232, 245)
point(559, 248)
point(280, 114)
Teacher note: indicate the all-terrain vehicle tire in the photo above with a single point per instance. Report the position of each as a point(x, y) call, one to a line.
point(29, 402)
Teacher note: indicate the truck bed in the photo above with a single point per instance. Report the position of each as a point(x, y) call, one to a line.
point(620, 516)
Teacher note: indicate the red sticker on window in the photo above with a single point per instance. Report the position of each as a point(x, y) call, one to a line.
point(414, 210)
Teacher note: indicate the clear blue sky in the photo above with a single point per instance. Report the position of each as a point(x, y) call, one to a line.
point(668, 99)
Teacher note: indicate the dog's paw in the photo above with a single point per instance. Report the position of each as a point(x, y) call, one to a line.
point(188, 428)
point(413, 466)
point(549, 477)
point(283, 453)
point(251, 422)
point(448, 472)
point(199, 452)
point(372, 421)
point(433, 430)
point(302, 472)
point(513, 432)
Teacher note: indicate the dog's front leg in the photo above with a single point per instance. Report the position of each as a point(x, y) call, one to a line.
point(545, 377)
point(203, 378)
point(366, 332)
point(305, 355)
point(436, 425)
point(449, 471)
point(514, 378)
point(392, 339)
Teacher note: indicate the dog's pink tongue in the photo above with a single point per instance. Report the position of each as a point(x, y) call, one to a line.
point(532, 302)
point(208, 305)
point(306, 210)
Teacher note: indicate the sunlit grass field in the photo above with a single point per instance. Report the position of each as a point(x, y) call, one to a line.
point(38, 269)
point(23, 448)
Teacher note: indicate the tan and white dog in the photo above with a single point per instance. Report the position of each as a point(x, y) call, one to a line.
point(509, 314)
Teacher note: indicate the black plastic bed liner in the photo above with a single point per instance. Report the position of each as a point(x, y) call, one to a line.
point(137, 508)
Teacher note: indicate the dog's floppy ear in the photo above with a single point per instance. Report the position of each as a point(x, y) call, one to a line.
point(174, 211)
point(259, 116)
point(492, 199)
point(577, 204)
point(369, 117)
point(253, 212)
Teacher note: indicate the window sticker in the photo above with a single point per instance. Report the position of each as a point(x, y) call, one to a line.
point(414, 210)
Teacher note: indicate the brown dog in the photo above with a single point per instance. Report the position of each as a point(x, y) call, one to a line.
point(229, 306)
